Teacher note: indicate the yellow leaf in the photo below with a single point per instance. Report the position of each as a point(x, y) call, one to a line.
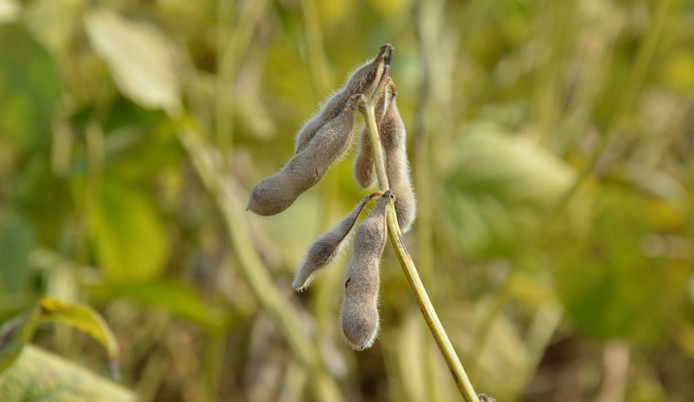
point(81, 317)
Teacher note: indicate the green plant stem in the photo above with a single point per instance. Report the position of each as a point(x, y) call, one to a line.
point(370, 117)
point(432, 320)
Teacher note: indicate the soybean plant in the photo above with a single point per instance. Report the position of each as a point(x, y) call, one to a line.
point(322, 141)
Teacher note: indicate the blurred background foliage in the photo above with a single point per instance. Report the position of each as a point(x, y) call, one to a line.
point(551, 144)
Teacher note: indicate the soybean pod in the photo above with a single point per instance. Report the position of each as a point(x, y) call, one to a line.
point(277, 192)
point(393, 139)
point(327, 247)
point(362, 81)
point(359, 318)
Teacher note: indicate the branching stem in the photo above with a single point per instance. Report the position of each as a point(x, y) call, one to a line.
point(367, 107)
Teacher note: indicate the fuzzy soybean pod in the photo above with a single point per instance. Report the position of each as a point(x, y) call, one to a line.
point(364, 167)
point(327, 247)
point(393, 139)
point(276, 193)
point(362, 81)
point(360, 321)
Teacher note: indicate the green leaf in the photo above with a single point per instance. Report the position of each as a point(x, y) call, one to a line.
point(38, 375)
point(127, 235)
point(81, 317)
point(498, 189)
point(29, 89)
point(140, 57)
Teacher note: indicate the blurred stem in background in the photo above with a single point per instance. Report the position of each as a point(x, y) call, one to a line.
point(547, 103)
point(615, 361)
point(427, 36)
point(321, 78)
point(234, 36)
point(233, 40)
point(226, 76)
point(320, 72)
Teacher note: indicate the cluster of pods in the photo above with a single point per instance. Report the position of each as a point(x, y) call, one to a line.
point(320, 143)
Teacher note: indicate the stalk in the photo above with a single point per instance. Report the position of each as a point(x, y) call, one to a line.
point(461, 379)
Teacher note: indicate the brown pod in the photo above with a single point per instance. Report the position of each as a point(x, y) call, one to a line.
point(324, 250)
point(393, 139)
point(362, 81)
point(360, 320)
point(364, 166)
point(277, 192)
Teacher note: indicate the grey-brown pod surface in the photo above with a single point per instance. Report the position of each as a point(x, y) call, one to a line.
point(360, 320)
point(328, 246)
point(364, 166)
point(393, 139)
point(277, 192)
point(362, 81)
